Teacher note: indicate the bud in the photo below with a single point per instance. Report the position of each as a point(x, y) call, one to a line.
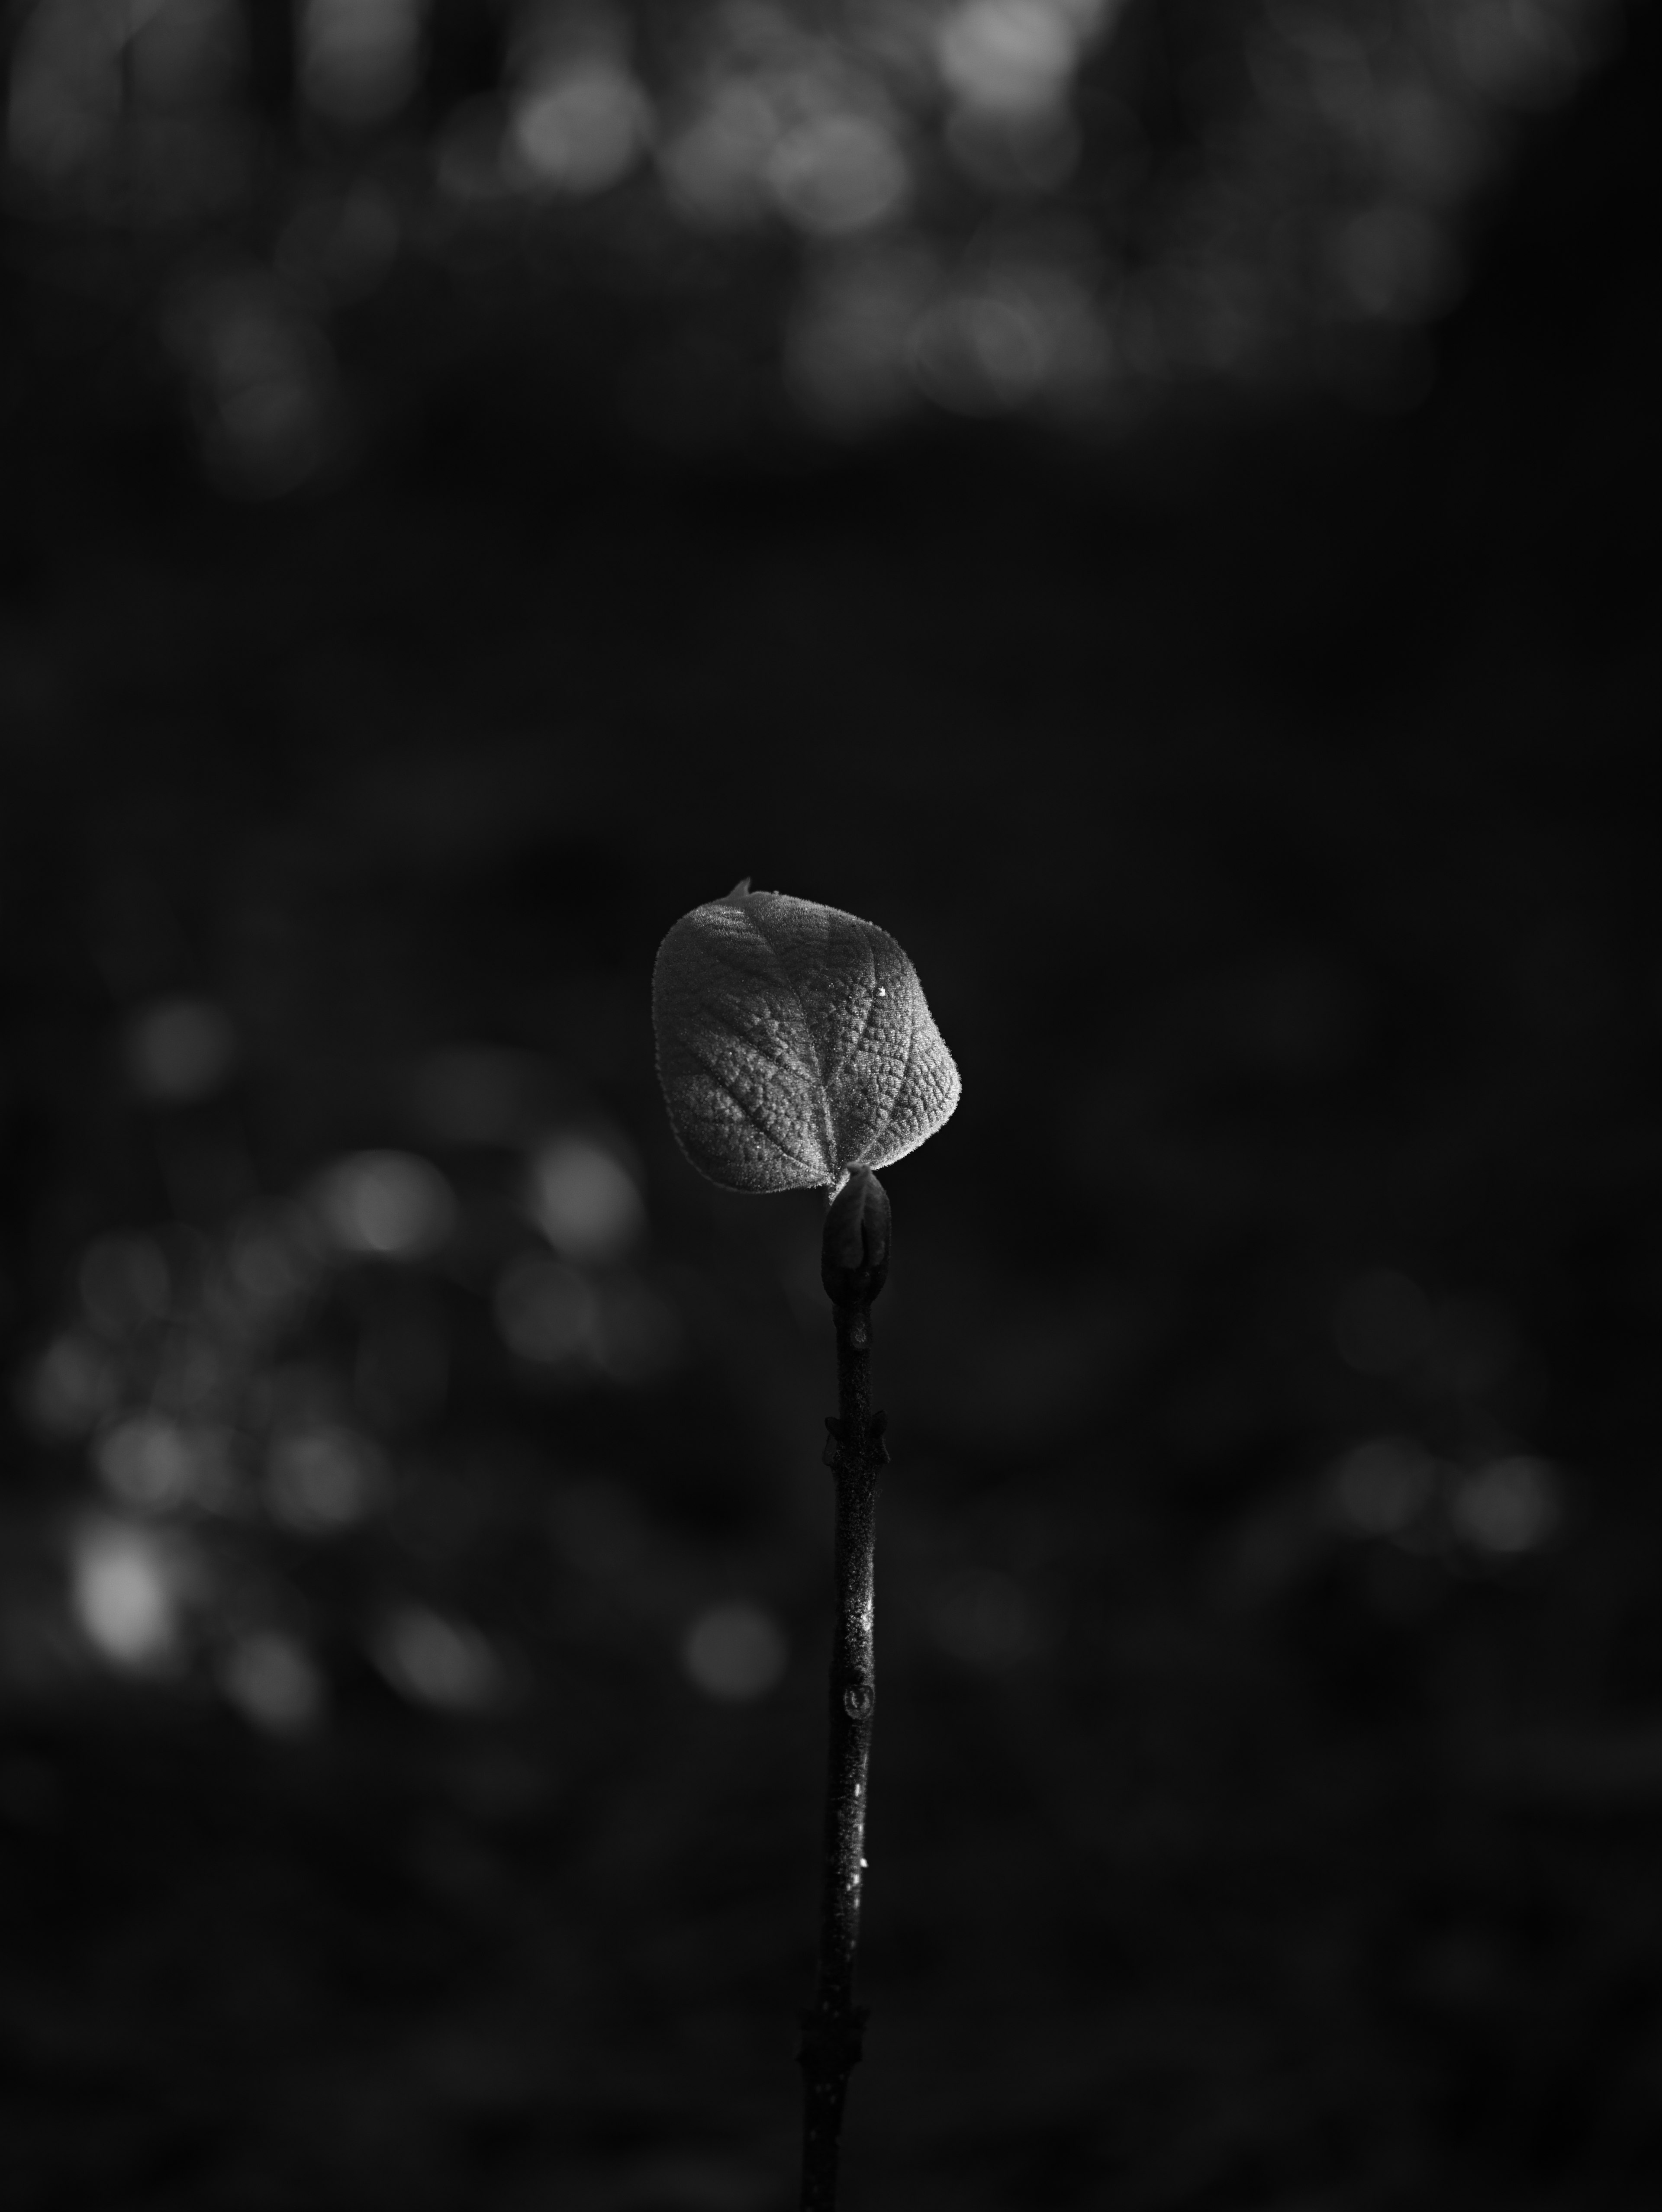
point(854, 1253)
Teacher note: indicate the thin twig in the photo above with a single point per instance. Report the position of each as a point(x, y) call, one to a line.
point(831, 2028)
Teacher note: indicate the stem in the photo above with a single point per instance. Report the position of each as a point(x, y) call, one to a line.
point(831, 2028)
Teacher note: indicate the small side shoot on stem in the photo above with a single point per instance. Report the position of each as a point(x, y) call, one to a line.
point(796, 1052)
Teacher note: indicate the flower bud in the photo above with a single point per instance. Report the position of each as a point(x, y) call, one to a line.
point(854, 1253)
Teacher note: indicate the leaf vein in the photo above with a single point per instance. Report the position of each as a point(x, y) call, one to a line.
point(750, 1113)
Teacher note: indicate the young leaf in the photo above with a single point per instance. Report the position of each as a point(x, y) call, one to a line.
point(794, 1044)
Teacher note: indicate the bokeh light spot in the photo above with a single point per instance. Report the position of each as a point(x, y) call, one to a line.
point(581, 128)
point(359, 58)
point(1524, 54)
point(66, 84)
point(434, 1660)
point(712, 166)
point(179, 1050)
point(128, 1586)
point(273, 1682)
point(392, 1205)
point(147, 1461)
point(1382, 1486)
point(735, 1652)
point(585, 1201)
point(321, 1480)
point(1008, 54)
point(1508, 1506)
point(846, 344)
point(72, 1382)
point(263, 378)
point(835, 174)
point(980, 354)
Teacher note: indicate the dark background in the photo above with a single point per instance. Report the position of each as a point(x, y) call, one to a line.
point(1270, 1750)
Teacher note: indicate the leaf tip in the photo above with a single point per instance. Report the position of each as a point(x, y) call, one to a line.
point(741, 890)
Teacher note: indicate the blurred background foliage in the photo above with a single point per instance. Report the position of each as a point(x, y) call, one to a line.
point(757, 226)
point(1154, 505)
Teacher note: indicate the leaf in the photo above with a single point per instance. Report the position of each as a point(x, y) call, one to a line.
point(794, 1043)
